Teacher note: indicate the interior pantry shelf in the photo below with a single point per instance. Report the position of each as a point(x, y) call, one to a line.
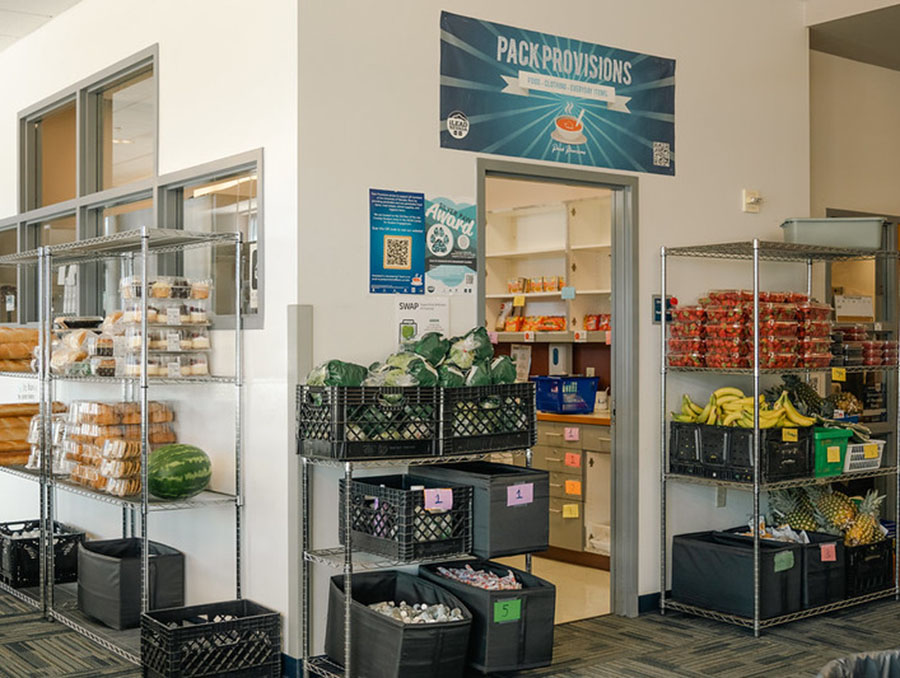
point(323, 666)
point(850, 369)
point(389, 462)
point(522, 254)
point(784, 619)
point(21, 594)
point(784, 484)
point(362, 561)
point(602, 337)
point(777, 251)
point(211, 379)
point(538, 295)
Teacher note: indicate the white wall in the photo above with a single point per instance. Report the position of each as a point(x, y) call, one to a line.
point(227, 84)
point(820, 11)
point(741, 121)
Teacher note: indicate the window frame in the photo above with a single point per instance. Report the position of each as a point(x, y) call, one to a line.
point(89, 196)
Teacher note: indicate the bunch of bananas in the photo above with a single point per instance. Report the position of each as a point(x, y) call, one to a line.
point(728, 406)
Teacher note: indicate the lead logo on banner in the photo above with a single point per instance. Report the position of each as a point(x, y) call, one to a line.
point(521, 93)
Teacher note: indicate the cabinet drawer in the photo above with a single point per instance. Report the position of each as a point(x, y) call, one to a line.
point(566, 533)
point(567, 485)
point(553, 435)
point(554, 459)
point(596, 438)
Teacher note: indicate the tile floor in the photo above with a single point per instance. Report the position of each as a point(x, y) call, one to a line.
point(581, 592)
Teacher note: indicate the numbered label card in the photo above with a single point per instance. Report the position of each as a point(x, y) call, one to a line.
point(827, 553)
point(439, 499)
point(570, 510)
point(838, 374)
point(573, 487)
point(573, 459)
point(789, 435)
point(870, 451)
point(572, 433)
point(580, 336)
point(834, 454)
point(507, 611)
point(519, 300)
point(519, 495)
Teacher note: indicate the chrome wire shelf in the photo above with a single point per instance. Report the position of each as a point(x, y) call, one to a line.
point(783, 484)
point(64, 618)
point(161, 240)
point(323, 666)
point(162, 381)
point(390, 462)
point(850, 369)
point(21, 375)
point(20, 594)
point(334, 557)
point(747, 622)
point(778, 251)
point(22, 472)
point(202, 500)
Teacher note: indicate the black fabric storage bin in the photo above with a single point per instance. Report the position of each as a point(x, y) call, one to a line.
point(234, 638)
point(503, 523)
point(385, 648)
point(824, 581)
point(715, 570)
point(109, 580)
point(870, 567)
point(20, 555)
point(511, 630)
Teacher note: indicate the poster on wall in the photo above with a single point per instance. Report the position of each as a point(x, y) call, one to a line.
point(526, 94)
point(416, 316)
point(451, 246)
point(396, 242)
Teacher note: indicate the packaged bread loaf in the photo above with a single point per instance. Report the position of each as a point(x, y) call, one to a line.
point(12, 335)
point(26, 409)
point(14, 457)
point(121, 449)
point(120, 468)
point(16, 351)
point(123, 487)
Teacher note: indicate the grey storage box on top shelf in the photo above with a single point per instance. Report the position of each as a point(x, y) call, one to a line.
point(510, 505)
point(865, 233)
point(109, 580)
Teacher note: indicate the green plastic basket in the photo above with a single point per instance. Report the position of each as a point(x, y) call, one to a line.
point(830, 450)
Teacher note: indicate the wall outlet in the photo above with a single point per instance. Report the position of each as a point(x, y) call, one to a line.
point(750, 200)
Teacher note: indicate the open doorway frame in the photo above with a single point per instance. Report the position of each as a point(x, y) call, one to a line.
point(624, 402)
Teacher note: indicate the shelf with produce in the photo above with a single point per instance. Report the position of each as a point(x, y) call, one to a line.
point(525, 254)
point(783, 619)
point(784, 484)
point(590, 337)
point(527, 295)
point(762, 447)
point(202, 500)
point(161, 381)
point(400, 462)
point(362, 561)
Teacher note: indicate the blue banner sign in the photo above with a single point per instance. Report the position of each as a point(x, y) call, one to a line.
point(520, 93)
point(396, 242)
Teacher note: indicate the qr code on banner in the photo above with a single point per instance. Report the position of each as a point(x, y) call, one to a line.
point(398, 252)
point(661, 154)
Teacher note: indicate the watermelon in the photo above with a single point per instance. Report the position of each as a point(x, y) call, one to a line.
point(178, 471)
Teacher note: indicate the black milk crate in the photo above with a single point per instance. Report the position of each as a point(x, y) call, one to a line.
point(365, 422)
point(20, 553)
point(824, 570)
point(781, 459)
point(510, 505)
point(390, 519)
point(511, 630)
point(382, 647)
point(232, 638)
point(686, 468)
point(684, 445)
point(713, 445)
point(488, 418)
point(870, 567)
point(714, 570)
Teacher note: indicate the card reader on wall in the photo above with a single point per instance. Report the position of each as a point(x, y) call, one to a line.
point(560, 359)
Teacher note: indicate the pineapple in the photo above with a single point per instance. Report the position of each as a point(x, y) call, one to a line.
point(864, 529)
point(789, 509)
point(836, 507)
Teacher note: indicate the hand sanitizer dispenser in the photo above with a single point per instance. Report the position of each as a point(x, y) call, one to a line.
point(560, 359)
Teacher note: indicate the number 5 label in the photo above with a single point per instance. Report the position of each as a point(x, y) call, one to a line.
point(507, 611)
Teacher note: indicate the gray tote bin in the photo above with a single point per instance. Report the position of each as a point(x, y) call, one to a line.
point(109, 580)
point(864, 233)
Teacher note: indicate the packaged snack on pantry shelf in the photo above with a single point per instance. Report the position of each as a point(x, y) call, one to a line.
point(516, 285)
point(591, 323)
point(106, 367)
point(551, 283)
point(120, 468)
point(686, 360)
point(123, 487)
point(689, 314)
point(81, 453)
point(536, 284)
point(154, 366)
point(100, 345)
point(198, 364)
point(514, 324)
point(551, 323)
point(88, 476)
point(686, 345)
point(684, 330)
point(121, 449)
point(529, 323)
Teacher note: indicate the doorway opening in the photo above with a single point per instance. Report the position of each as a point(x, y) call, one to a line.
point(557, 280)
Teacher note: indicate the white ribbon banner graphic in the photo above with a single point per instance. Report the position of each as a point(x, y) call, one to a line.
point(549, 83)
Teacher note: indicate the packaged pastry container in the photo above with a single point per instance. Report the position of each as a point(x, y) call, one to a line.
point(689, 345)
point(89, 476)
point(815, 360)
point(165, 287)
point(688, 314)
point(730, 296)
point(815, 328)
point(100, 345)
point(721, 330)
point(815, 346)
point(686, 360)
point(121, 449)
point(731, 313)
point(105, 367)
point(813, 311)
point(685, 330)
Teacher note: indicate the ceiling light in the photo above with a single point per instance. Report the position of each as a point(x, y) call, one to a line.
point(221, 186)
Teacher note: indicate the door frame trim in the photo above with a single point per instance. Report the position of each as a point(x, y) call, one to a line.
point(625, 361)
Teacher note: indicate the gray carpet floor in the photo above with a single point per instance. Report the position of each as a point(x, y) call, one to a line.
point(650, 646)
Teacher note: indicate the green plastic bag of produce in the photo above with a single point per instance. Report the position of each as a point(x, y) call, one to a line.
point(390, 376)
point(451, 376)
point(337, 373)
point(401, 360)
point(484, 349)
point(423, 373)
point(476, 345)
point(503, 370)
point(479, 375)
point(432, 346)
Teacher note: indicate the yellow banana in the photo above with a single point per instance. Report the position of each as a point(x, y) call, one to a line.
point(721, 400)
point(685, 408)
point(793, 415)
point(695, 408)
point(731, 419)
point(728, 390)
point(713, 415)
point(704, 413)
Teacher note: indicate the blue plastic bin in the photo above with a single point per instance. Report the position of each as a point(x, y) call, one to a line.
point(566, 395)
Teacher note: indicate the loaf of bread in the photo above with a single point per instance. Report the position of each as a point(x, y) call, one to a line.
point(14, 446)
point(18, 433)
point(25, 335)
point(15, 365)
point(27, 409)
point(14, 458)
point(14, 422)
point(16, 351)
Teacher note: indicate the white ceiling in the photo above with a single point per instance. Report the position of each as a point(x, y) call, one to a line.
point(18, 18)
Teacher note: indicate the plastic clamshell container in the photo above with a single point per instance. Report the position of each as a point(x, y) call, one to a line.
point(813, 311)
point(728, 313)
point(815, 328)
point(727, 344)
point(775, 344)
point(815, 346)
point(777, 311)
point(771, 360)
point(686, 345)
point(861, 233)
point(685, 330)
point(727, 330)
point(730, 296)
point(728, 360)
point(686, 360)
point(815, 360)
point(686, 314)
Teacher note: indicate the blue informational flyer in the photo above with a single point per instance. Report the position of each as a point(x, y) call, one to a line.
point(396, 242)
point(516, 92)
point(451, 247)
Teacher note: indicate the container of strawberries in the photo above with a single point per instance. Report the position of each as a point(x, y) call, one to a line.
point(730, 297)
point(728, 360)
point(726, 330)
point(815, 328)
point(686, 345)
point(687, 360)
point(775, 344)
point(815, 360)
point(813, 311)
point(777, 360)
point(728, 313)
point(689, 314)
point(686, 330)
point(815, 346)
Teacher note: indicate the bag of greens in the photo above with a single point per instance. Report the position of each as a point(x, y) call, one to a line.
point(479, 375)
point(503, 370)
point(337, 373)
point(451, 376)
point(432, 346)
